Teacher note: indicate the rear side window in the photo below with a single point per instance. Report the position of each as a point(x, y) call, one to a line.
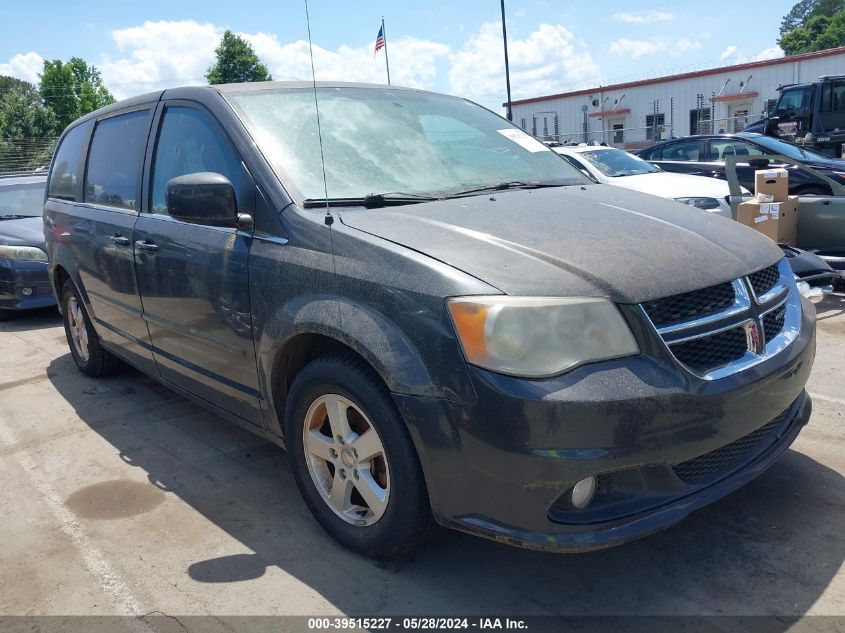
point(114, 160)
point(65, 174)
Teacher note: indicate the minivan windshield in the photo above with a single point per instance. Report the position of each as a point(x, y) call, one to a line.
point(393, 142)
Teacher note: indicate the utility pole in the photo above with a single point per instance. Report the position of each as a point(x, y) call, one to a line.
point(507, 65)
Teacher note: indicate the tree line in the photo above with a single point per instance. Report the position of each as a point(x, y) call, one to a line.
point(813, 25)
point(33, 115)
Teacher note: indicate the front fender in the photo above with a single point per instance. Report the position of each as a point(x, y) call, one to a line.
point(358, 326)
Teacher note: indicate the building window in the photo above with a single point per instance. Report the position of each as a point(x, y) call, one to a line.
point(522, 124)
point(618, 133)
point(699, 121)
point(653, 128)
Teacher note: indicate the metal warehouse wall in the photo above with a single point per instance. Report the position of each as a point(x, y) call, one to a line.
point(697, 102)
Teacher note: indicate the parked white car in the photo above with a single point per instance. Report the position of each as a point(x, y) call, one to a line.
point(616, 167)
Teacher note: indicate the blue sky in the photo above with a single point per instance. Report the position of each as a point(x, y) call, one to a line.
point(448, 46)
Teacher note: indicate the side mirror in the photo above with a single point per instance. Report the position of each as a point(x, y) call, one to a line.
point(202, 198)
point(759, 163)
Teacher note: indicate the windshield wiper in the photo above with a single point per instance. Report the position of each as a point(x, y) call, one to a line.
point(502, 186)
point(371, 200)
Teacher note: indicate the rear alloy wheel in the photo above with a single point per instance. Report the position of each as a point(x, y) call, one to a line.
point(89, 355)
point(353, 458)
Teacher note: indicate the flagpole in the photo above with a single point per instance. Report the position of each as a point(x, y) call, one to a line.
point(386, 62)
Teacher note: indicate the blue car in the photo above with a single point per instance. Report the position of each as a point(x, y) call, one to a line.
point(24, 282)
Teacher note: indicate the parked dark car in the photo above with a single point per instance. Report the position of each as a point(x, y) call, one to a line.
point(441, 321)
point(704, 155)
point(24, 281)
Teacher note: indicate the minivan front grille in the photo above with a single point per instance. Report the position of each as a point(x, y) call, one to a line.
point(773, 322)
point(716, 350)
point(690, 305)
point(724, 460)
point(723, 329)
point(764, 280)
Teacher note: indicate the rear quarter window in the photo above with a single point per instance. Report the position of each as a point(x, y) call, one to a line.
point(64, 175)
point(114, 160)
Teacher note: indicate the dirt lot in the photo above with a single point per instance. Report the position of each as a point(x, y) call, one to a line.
point(120, 497)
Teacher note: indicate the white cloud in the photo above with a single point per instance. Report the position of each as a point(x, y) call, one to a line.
point(414, 61)
point(548, 60)
point(26, 66)
point(640, 48)
point(643, 18)
point(769, 53)
point(728, 53)
point(171, 53)
point(159, 55)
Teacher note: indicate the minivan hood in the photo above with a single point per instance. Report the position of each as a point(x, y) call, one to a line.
point(593, 240)
point(22, 232)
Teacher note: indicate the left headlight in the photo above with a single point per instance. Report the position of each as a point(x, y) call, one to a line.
point(536, 337)
point(23, 253)
point(700, 203)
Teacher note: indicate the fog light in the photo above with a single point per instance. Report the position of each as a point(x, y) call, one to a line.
point(583, 492)
point(26, 292)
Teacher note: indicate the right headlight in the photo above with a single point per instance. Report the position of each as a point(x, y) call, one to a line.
point(536, 337)
point(22, 253)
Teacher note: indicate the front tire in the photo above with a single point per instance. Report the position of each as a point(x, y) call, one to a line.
point(353, 458)
point(89, 355)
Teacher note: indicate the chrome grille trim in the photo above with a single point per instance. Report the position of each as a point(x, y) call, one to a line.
point(742, 302)
point(747, 312)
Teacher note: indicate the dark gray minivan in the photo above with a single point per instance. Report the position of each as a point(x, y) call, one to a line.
point(438, 317)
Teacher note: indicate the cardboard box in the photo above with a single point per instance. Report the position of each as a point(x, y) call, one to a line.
point(774, 182)
point(776, 220)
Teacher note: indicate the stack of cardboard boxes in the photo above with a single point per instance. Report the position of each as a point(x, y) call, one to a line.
point(772, 211)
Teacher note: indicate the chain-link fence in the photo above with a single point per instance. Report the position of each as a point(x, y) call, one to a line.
point(634, 138)
point(19, 155)
point(627, 138)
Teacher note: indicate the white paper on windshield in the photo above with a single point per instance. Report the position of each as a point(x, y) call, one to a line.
point(524, 139)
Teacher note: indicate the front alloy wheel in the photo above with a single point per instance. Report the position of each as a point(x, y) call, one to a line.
point(353, 458)
point(346, 460)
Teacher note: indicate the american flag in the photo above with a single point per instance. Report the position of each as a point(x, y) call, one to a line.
point(379, 40)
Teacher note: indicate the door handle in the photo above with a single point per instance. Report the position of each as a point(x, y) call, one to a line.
point(143, 245)
point(119, 240)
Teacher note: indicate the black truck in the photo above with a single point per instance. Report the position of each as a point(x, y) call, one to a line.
point(810, 114)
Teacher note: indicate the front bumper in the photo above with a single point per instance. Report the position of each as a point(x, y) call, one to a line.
point(499, 467)
point(16, 276)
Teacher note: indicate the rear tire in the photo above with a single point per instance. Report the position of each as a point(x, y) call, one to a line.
point(359, 474)
point(89, 355)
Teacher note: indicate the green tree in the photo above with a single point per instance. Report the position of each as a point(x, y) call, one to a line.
point(26, 126)
point(236, 62)
point(72, 89)
point(813, 25)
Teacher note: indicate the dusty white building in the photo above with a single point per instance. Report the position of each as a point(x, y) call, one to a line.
point(636, 113)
